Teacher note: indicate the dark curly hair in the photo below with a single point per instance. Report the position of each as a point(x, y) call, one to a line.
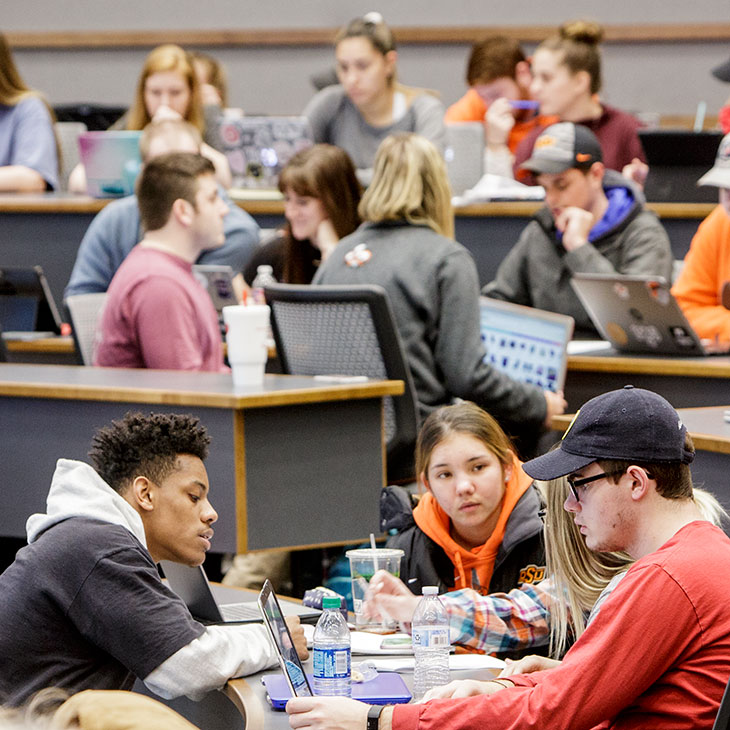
point(145, 445)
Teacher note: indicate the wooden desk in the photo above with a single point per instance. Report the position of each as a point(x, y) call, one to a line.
point(46, 350)
point(684, 382)
point(46, 229)
point(295, 462)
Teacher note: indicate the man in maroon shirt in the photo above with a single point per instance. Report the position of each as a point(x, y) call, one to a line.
point(156, 314)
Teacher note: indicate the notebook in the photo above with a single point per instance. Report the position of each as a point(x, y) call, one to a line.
point(112, 162)
point(258, 148)
point(217, 280)
point(192, 585)
point(464, 155)
point(677, 159)
point(26, 302)
point(637, 314)
point(528, 344)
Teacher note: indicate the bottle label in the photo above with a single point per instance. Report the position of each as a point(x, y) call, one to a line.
point(430, 637)
point(332, 663)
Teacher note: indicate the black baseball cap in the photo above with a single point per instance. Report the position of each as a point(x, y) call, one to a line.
point(630, 424)
point(563, 146)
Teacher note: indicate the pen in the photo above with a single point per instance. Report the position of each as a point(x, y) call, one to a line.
point(524, 104)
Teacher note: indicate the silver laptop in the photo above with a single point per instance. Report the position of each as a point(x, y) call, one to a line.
point(464, 155)
point(217, 280)
point(192, 585)
point(638, 314)
point(530, 345)
point(258, 148)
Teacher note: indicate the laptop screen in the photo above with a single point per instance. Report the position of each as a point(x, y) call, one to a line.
point(529, 345)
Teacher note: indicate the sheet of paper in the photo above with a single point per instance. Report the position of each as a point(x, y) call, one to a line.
point(457, 663)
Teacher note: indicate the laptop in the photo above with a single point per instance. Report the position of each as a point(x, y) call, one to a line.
point(258, 148)
point(528, 344)
point(464, 155)
point(638, 314)
point(112, 162)
point(217, 280)
point(191, 584)
point(677, 159)
point(26, 303)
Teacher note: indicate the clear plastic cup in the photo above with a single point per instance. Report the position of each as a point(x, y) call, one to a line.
point(364, 563)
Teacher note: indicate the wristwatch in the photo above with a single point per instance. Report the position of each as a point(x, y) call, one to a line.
point(374, 716)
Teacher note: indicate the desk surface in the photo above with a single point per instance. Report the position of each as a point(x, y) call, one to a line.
point(713, 366)
point(59, 345)
point(212, 390)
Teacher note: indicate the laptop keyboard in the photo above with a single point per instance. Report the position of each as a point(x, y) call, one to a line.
point(240, 611)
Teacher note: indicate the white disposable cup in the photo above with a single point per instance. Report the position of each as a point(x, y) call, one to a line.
point(247, 334)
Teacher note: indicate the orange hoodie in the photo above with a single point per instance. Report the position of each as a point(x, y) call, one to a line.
point(435, 523)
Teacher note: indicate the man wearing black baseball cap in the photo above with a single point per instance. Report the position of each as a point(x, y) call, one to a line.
point(594, 221)
point(657, 655)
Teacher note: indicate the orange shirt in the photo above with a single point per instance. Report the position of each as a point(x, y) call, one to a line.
point(471, 108)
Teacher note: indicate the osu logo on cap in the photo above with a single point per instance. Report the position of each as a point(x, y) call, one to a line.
point(545, 140)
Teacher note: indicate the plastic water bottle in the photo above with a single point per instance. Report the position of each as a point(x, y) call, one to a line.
point(264, 277)
point(430, 634)
point(331, 651)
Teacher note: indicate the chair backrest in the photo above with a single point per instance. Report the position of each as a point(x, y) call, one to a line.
point(67, 134)
point(722, 720)
point(84, 311)
point(348, 330)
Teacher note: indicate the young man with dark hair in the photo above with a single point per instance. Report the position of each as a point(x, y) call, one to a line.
point(657, 655)
point(594, 221)
point(157, 315)
point(83, 606)
point(499, 78)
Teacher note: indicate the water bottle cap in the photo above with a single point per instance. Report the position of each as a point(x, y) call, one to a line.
point(264, 269)
point(331, 602)
point(430, 590)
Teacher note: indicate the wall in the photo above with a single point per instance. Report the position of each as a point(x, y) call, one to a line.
point(669, 78)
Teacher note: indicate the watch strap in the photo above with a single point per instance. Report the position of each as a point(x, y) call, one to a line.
point(374, 716)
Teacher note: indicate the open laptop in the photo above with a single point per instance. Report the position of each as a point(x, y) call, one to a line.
point(217, 280)
point(111, 160)
point(638, 314)
point(528, 344)
point(192, 585)
point(26, 303)
point(258, 148)
point(677, 159)
point(464, 154)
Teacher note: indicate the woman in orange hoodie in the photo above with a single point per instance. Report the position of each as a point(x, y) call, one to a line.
point(478, 524)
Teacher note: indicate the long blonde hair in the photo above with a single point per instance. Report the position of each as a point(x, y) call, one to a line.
point(409, 184)
point(167, 58)
point(579, 574)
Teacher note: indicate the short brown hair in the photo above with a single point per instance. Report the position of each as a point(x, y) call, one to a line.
point(467, 418)
point(493, 58)
point(578, 41)
point(673, 479)
point(164, 180)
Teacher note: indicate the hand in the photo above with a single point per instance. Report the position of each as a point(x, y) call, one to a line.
point(165, 112)
point(327, 713)
point(388, 596)
point(499, 122)
point(326, 238)
point(209, 95)
point(637, 171)
point(556, 404)
point(297, 636)
point(528, 664)
point(575, 224)
point(463, 688)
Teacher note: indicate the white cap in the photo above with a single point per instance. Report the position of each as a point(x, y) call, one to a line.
point(430, 590)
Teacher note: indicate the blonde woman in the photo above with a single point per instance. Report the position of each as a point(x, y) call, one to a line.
point(168, 88)
point(28, 151)
point(406, 246)
point(369, 104)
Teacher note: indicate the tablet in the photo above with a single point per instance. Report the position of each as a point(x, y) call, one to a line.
point(280, 637)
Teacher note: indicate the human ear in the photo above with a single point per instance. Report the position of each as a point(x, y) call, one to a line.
point(141, 493)
point(583, 81)
point(183, 212)
point(640, 482)
point(508, 468)
point(390, 59)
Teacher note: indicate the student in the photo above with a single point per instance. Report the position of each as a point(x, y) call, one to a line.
point(658, 651)
point(498, 74)
point(477, 525)
point(406, 246)
point(321, 195)
point(28, 151)
point(594, 221)
point(116, 228)
point(706, 272)
point(168, 88)
point(369, 104)
point(156, 314)
point(566, 80)
point(83, 605)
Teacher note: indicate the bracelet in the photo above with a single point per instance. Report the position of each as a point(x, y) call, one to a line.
point(374, 716)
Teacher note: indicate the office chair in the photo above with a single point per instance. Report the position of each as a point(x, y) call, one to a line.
point(67, 136)
point(722, 720)
point(348, 330)
point(84, 311)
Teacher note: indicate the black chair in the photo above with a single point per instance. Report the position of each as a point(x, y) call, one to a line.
point(348, 330)
point(722, 721)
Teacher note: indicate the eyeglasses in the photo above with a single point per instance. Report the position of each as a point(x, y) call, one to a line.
point(576, 483)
